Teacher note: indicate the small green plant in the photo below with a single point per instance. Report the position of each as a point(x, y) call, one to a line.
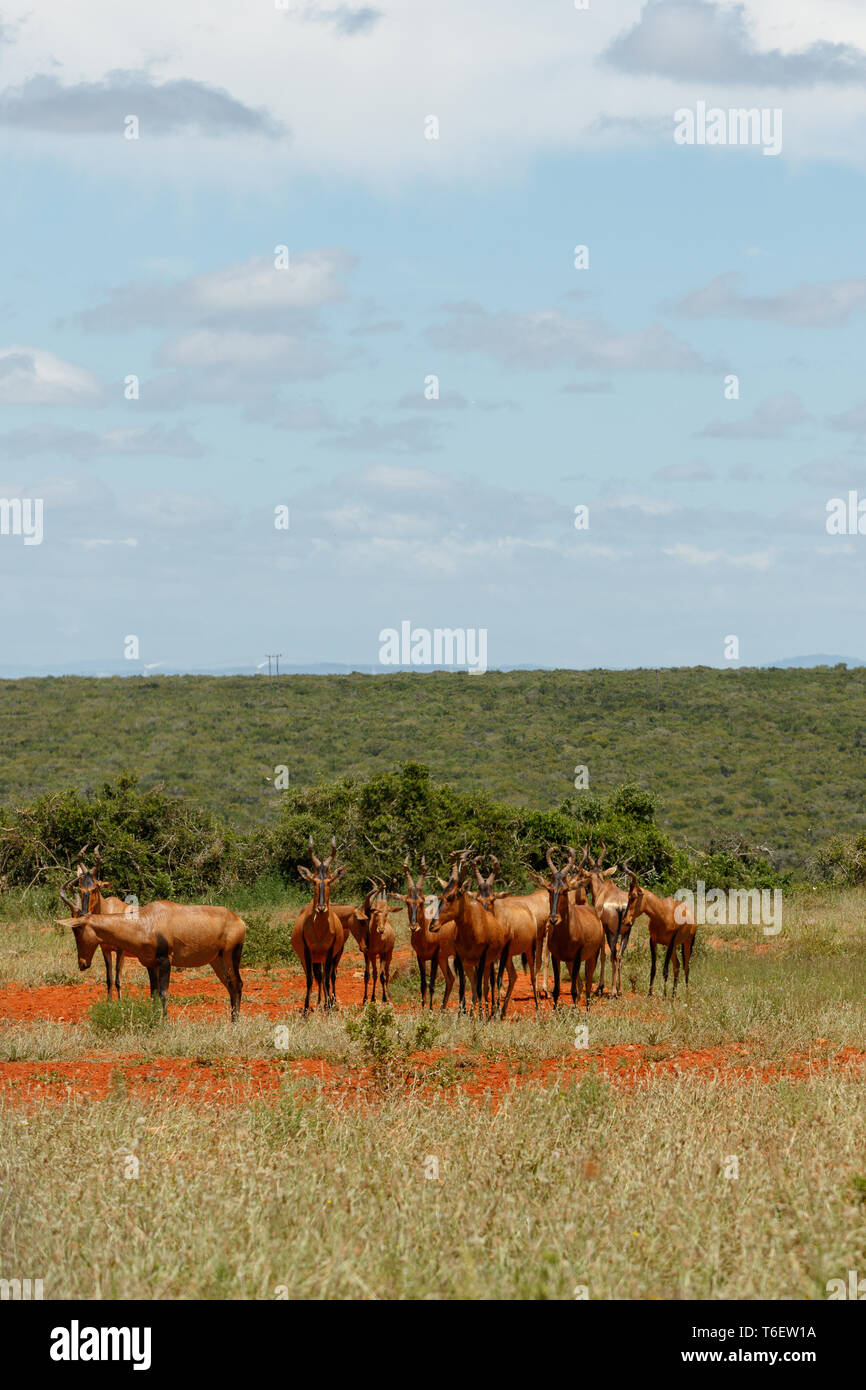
point(374, 1029)
point(426, 1032)
point(267, 944)
point(123, 1015)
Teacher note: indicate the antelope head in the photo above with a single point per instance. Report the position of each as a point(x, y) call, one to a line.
point(323, 875)
point(558, 884)
point(456, 886)
point(414, 897)
point(635, 901)
point(486, 895)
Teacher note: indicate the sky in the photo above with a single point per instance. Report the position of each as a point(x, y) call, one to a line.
point(250, 307)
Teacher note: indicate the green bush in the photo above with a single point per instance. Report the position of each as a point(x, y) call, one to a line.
point(267, 944)
point(843, 860)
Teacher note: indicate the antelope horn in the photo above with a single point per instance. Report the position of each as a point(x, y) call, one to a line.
point(423, 871)
point(332, 856)
point(601, 854)
point(478, 877)
point(572, 855)
point(315, 858)
point(550, 864)
point(495, 862)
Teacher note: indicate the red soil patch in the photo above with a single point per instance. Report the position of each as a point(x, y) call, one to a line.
point(229, 1081)
point(273, 993)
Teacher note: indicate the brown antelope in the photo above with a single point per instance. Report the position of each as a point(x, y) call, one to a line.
point(354, 921)
point(90, 898)
point(576, 888)
point(610, 902)
point(163, 935)
point(480, 938)
point(318, 936)
point(575, 933)
point(524, 933)
point(671, 924)
point(380, 939)
point(435, 947)
point(538, 904)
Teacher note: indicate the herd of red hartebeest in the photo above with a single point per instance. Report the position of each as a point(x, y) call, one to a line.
point(467, 922)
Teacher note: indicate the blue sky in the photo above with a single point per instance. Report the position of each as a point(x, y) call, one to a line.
point(408, 257)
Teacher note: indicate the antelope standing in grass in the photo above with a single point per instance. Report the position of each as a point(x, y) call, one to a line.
point(355, 922)
point(163, 935)
point(610, 903)
point(433, 945)
point(538, 905)
point(575, 934)
point(90, 898)
point(379, 940)
point(480, 938)
point(524, 933)
point(318, 936)
point(671, 924)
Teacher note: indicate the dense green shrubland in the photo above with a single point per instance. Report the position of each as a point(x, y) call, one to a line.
point(156, 845)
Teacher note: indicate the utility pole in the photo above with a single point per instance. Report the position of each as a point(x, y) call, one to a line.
point(273, 656)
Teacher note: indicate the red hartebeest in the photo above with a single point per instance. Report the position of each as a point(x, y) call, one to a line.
point(431, 944)
point(90, 898)
point(524, 933)
point(163, 935)
point(318, 936)
point(610, 903)
point(575, 932)
point(379, 941)
point(480, 938)
point(671, 924)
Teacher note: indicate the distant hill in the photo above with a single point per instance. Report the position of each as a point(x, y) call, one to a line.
point(775, 755)
point(820, 660)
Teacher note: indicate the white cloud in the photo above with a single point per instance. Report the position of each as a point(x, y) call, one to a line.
point(697, 555)
point(34, 376)
point(508, 83)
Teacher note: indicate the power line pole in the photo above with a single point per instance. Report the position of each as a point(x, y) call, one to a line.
point(273, 656)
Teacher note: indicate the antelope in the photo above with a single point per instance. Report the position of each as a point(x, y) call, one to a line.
point(435, 945)
point(538, 904)
point(524, 933)
point(318, 936)
point(379, 940)
point(354, 921)
point(164, 934)
point(575, 932)
point(480, 938)
point(610, 903)
point(671, 924)
point(89, 898)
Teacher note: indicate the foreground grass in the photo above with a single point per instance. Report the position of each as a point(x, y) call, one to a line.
point(621, 1192)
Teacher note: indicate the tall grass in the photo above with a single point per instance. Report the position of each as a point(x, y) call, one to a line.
point(623, 1194)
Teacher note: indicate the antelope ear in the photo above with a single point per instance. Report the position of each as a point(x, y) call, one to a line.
point(441, 882)
point(304, 872)
point(609, 873)
point(344, 868)
point(67, 921)
point(398, 908)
